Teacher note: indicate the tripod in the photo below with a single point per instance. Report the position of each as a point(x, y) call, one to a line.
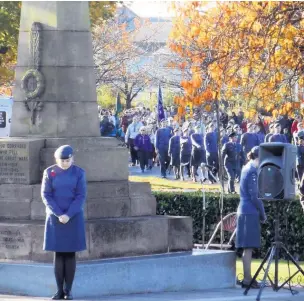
point(273, 255)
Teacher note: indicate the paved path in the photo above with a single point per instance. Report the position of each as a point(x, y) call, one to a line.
point(214, 295)
point(155, 172)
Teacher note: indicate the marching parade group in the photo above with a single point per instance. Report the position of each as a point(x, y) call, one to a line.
point(191, 148)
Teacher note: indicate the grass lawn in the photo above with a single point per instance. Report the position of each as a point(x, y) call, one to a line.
point(283, 270)
point(159, 184)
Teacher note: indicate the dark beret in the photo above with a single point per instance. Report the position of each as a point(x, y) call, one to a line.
point(64, 152)
point(233, 134)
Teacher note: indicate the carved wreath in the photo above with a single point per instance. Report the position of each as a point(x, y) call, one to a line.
point(40, 83)
point(32, 103)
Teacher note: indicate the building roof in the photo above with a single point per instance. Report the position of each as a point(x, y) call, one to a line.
point(156, 32)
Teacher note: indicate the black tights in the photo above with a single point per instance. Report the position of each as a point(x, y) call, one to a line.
point(64, 267)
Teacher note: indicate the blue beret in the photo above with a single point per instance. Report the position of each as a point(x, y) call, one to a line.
point(64, 152)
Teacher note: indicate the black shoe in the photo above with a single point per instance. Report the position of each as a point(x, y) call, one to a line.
point(203, 180)
point(68, 295)
point(254, 285)
point(58, 296)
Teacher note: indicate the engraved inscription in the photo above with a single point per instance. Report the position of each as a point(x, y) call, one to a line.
point(13, 162)
point(11, 239)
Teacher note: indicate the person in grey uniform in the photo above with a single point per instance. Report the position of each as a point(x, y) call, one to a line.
point(250, 214)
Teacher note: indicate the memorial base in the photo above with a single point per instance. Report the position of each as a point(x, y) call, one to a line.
point(186, 271)
point(106, 237)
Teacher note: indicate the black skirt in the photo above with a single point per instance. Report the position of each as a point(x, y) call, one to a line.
point(198, 156)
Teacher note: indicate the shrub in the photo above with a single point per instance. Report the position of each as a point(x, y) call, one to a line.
point(191, 204)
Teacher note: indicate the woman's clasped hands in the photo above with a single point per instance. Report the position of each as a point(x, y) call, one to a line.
point(64, 218)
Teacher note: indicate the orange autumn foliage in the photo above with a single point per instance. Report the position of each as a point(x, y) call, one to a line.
point(253, 50)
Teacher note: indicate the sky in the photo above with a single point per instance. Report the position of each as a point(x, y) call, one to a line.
point(152, 8)
point(156, 8)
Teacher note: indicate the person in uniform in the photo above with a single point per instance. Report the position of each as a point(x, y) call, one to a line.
point(237, 129)
point(210, 142)
point(249, 139)
point(250, 214)
point(260, 133)
point(268, 136)
point(198, 152)
point(277, 136)
point(185, 152)
point(300, 156)
point(63, 192)
point(232, 155)
point(162, 138)
point(174, 152)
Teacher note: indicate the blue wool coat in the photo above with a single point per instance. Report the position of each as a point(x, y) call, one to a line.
point(249, 201)
point(64, 192)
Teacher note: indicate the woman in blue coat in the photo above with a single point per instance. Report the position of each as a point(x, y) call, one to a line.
point(63, 192)
point(250, 214)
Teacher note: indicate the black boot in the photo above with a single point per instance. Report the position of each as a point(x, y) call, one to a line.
point(68, 295)
point(58, 296)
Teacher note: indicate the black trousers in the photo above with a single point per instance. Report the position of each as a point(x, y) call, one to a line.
point(133, 152)
point(64, 268)
point(143, 157)
point(164, 160)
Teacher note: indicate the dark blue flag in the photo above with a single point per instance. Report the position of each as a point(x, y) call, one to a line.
point(160, 108)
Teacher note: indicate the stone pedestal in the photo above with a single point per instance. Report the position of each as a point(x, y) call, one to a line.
point(120, 216)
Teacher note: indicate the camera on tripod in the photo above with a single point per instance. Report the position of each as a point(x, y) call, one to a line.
point(276, 182)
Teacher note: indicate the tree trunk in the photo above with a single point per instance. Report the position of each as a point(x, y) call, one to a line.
point(128, 102)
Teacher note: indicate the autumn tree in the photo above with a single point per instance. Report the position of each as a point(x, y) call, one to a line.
point(121, 55)
point(249, 49)
point(9, 24)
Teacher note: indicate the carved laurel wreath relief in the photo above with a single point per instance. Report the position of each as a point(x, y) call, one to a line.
point(33, 81)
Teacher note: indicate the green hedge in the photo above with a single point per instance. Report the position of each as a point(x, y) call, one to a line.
point(191, 204)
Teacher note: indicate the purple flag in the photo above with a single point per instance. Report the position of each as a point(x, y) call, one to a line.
point(160, 108)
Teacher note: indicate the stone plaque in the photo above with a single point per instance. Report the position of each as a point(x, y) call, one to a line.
point(14, 241)
point(20, 161)
point(2, 119)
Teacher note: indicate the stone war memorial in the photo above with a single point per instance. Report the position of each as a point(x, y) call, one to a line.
point(55, 104)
